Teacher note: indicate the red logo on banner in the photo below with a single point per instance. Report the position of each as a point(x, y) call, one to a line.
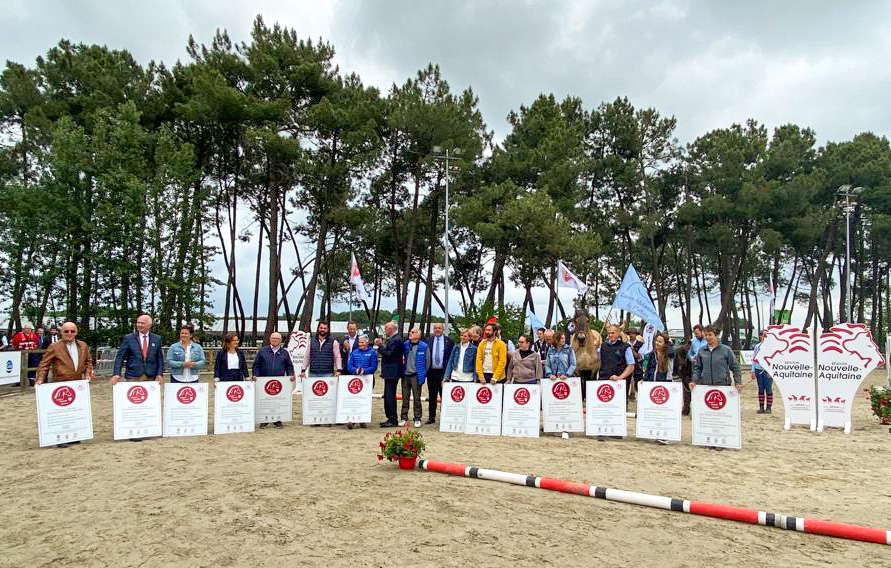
point(458, 394)
point(137, 394)
point(234, 393)
point(560, 390)
point(186, 395)
point(320, 388)
point(63, 396)
point(484, 395)
point(273, 387)
point(715, 399)
point(606, 393)
point(355, 386)
point(659, 395)
point(521, 396)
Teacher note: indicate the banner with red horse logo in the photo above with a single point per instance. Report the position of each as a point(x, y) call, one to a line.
point(787, 354)
point(64, 412)
point(521, 415)
point(847, 355)
point(297, 349)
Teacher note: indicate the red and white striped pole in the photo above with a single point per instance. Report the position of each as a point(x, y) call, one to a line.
point(751, 516)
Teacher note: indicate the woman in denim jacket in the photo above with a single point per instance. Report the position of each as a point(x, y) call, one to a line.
point(185, 358)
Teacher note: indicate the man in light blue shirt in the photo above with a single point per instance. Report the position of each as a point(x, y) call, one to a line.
point(697, 343)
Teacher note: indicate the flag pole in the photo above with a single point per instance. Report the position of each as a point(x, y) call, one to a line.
point(351, 303)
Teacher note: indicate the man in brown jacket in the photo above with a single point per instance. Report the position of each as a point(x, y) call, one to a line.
point(69, 359)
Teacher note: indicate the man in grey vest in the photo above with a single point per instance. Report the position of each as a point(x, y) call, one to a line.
point(322, 356)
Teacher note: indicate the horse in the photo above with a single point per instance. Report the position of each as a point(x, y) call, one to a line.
point(586, 342)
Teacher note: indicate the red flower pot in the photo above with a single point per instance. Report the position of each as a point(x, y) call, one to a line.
point(407, 463)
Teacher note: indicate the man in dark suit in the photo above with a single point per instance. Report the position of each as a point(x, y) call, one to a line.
point(391, 354)
point(347, 344)
point(439, 349)
point(141, 351)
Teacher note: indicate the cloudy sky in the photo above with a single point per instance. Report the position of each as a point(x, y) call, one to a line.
point(709, 63)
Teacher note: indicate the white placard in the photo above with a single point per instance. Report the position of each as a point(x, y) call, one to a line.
point(297, 349)
point(320, 401)
point(64, 412)
point(787, 354)
point(273, 402)
point(453, 414)
point(353, 399)
point(659, 406)
point(137, 410)
point(561, 402)
point(10, 367)
point(715, 417)
point(847, 355)
point(521, 415)
point(483, 409)
point(746, 357)
point(185, 409)
point(233, 407)
point(606, 409)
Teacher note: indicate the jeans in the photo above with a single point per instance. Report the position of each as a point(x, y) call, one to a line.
point(411, 389)
point(765, 383)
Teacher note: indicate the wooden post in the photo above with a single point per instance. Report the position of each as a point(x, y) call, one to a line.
point(23, 371)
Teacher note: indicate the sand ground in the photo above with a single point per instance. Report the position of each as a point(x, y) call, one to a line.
point(318, 497)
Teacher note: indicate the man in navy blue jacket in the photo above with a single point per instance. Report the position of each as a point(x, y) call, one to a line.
point(391, 355)
point(273, 361)
point(439, 350)
point(141, 352)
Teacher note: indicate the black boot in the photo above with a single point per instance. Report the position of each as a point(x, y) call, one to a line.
point(769, 410)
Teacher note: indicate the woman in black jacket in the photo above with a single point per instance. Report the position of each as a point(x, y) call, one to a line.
point(230, 364)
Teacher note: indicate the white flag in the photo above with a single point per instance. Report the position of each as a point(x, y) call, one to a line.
point(567, 279)
point(356, 280)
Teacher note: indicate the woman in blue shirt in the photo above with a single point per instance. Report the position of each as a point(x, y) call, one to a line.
point(185, 358)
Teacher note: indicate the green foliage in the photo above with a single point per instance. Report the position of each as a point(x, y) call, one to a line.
point(401, 444)
point(510, 317)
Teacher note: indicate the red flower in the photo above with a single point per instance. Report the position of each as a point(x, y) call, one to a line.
point(382, 444)
point(380, 457)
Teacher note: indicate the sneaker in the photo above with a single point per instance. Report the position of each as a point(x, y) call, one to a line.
point(264, 425)
point(417, 423)
point(349, 425)
point(363, 425)
point(663, 442)
point(403, 422)
point(278, 424)
point(388, 424)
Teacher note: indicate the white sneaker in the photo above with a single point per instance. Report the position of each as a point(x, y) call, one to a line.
point(417, 423)
point(402, 423)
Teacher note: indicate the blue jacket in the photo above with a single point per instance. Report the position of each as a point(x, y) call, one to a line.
point(392, 358)
point(468, 365)
point(130, 353)
point(365, 360)
point(560, 362)
point(273, 364)
point(176, 356)
point(695, 346)
point(420, 360)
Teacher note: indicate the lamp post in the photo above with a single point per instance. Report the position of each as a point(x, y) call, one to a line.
point(848, 191)
point(439, 155)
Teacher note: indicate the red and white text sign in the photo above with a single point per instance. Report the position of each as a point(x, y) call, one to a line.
point(787, 354)
point(521, 415)
point(273, 401)
point(319, 400)
point(354, 399)
point(715, 416)
point(233, 404)
point(562, 405)
point(483, 409)
point(185, 409)
point(659, 406)
point(137, 410)
point(453, 414)
point(64, 412)
point(606, 409)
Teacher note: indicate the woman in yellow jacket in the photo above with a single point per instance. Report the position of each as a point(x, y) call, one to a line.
point(491, 357)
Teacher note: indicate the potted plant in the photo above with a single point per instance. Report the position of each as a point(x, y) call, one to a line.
point(880, 400)
point(402, 446)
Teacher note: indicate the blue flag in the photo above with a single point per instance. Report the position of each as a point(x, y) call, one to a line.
point(534, 322)
point(633, 297)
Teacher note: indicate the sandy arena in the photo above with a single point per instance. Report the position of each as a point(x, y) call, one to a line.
point(318, 497)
